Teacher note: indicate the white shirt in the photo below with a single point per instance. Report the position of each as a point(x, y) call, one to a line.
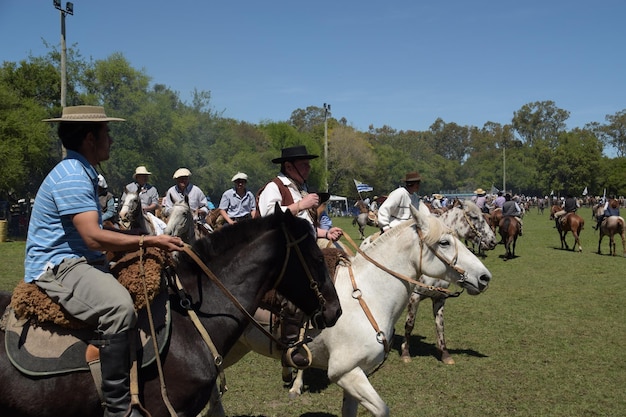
point(397, 208)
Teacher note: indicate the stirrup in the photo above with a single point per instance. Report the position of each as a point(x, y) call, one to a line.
point(287, 355)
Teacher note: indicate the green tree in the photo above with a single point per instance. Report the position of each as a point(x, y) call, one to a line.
point(540, 121)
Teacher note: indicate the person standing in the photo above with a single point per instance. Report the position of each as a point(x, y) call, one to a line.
point(237, 203)
point(290, 190)
point(148, 194)
point(397, 206)
point(183, 188)
point(65, 244)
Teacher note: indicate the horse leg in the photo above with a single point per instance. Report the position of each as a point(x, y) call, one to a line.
point(438, 307)
point(600, 242)
point(409, 324)
point(296, 385)
point(612, 244)
point(214, 407)
point(358, 390)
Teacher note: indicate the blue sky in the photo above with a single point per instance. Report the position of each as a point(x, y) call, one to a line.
point(399, 63)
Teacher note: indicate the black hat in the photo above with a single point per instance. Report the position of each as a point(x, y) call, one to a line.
point(293, 153)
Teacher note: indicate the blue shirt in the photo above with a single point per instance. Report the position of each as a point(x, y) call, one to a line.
point(70, 188)
point(235, 205)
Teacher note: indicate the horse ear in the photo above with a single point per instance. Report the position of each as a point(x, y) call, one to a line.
point(420, 219)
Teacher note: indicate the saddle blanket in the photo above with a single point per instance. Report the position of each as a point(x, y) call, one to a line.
point(50, 349)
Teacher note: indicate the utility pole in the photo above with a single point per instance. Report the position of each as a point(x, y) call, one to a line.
point(326, 113)
point(69, 9)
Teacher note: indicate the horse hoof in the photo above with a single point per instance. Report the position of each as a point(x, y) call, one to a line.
point(406, 359)
point(448, 360)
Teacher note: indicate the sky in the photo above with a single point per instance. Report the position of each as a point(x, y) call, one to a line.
point(401, 64)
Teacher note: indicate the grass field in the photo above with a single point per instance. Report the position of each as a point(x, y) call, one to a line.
point(547, 339)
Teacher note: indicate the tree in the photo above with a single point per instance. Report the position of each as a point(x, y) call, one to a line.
point(614, 132)
point(540, 121)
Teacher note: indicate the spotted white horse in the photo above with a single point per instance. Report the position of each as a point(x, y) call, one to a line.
point(373, 289)
point(467, 221)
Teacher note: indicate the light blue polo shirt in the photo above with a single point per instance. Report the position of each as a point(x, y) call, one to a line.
point(70, 188)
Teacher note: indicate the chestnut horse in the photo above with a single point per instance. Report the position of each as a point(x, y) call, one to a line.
point(248, 259)
point(570, 222)
point(509, 228)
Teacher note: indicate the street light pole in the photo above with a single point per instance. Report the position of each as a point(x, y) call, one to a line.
point(326, 112)
point(69, 9)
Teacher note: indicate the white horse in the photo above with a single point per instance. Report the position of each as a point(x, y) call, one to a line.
point(467, 221)
point(181, 223)
point(373, 291)
point(132, 216)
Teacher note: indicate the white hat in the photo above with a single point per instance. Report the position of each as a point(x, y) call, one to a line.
point(240, 176)
point(141, 170)
point(182, 172)
point(102, 183)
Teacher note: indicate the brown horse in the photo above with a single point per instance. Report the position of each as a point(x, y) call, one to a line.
point(571, 222)
point(277, 251)
point(510, 229)
point(611, 226)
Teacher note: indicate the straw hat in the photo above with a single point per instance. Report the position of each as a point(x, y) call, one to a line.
point(293, 153)
point(141, 170)
point(438, 196)
point(240, 176)
point(181, 172)
point(480, 191)
point(412, 177)
point(84, 114)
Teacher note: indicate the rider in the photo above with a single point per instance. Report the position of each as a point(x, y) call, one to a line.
point(107, 202)
point(65, 244)
point(396, 207)
point(511, 208)
point(569, 205)
point(237, 203)
point(290, 190)
point(197, 200)
point(148, 193)
point(611, 208)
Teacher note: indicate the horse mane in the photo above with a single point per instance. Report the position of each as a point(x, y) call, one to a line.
point(435, 229)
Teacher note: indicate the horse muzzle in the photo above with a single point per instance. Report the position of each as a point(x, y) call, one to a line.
point(326, 317)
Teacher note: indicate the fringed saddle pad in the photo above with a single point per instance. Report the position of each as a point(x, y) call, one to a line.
point(48, 349)
point(31, 302)
point(42, 339)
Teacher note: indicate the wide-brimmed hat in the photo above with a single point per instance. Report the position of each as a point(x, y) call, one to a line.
point(412, 177)
point(240, 176)
point(181, 172)
point(141, 170)
point(293, 153)
point(438, 196)
point(324, 197)
point(480, 191)
point(84, 114)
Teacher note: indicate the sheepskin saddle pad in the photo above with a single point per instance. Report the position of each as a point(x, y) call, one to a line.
point(41, 339)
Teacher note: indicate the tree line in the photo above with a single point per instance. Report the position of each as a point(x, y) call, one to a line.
point(533, 155)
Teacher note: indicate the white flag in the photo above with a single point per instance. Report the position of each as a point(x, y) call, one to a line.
point(585, 191)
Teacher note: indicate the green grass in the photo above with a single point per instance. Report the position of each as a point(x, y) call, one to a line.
point(547, 339)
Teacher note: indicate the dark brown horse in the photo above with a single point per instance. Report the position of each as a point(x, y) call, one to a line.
point(509, 228)
point(249, 259)
point(611, 226)
point(571, 222)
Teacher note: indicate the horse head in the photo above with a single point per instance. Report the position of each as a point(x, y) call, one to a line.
point(180, 222)
point(475, 226)
point(442, 255)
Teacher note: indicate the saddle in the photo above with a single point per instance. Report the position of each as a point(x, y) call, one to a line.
point(41, 339)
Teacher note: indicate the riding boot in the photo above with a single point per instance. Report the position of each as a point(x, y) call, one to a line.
point(115, 366)
point(291, 321)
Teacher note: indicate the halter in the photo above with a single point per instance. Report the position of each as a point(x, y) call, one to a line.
point(472, 227)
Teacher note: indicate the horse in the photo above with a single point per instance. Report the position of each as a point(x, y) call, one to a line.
point(496, 216)
point(181, 223)
point(365, 219)
point(373, 288)
point(509, 228)
point(613, 225)
point(132, 217)
point(468, 222)
point(570, 222)
point(247, 259)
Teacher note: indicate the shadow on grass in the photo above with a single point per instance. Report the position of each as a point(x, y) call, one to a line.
point(418, 348)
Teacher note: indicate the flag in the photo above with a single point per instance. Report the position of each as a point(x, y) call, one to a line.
point(362, 188)
point(494, 190)
point(585, 191)
point(552, 192)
